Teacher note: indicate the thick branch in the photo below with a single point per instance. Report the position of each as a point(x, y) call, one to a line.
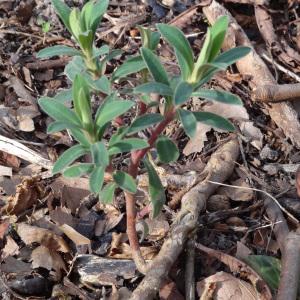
point(277, 92)
point(219, 168)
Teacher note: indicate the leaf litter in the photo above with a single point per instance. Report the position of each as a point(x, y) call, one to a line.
point(47, 222)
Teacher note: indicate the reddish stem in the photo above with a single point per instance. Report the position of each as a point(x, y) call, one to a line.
point(136, 157)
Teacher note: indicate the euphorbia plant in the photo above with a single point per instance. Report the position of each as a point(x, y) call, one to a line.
point(87, 71)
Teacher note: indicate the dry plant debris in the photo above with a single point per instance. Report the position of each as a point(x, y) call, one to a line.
point(58, 241)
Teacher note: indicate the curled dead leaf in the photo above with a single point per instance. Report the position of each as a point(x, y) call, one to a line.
point(27, 194)
point(32, 234)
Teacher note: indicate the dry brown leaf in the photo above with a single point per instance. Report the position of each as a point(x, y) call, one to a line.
point(62, 215)
point(29, 191)
point(32, 234)
point(223, 286)
point(11, 248)
point(121, 250)
point(45, 258)
point(235, 112)
point(5, 171)
point(239, 267)
point(157, 227)
point(74, 236)
point(10, 160)
point(3, 228)
point(237, 194)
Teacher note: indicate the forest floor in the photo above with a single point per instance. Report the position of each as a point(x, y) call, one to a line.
point(58, 242)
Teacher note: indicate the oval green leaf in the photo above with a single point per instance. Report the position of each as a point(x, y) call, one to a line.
point(156, 190)
point(154, 66)
point(125, 182)
point(100, 154)
point(213, 120)
point(154, 87)
point(220, 96)
point(57, 50)
point(68, 157)
point(188, 121)
point(127, 145)
point(144, 122)
point(96, 179)
point(182, 92)
point(106, 196)
point(78, 170)
point(166, 149)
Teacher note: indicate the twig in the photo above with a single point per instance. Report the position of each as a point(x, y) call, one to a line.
point(190, 270)
point(277, 92)
point(280, 67)
point(219, 168)
point(290, 272)
point(19, 150)
point(48, 64)
point(295, 220)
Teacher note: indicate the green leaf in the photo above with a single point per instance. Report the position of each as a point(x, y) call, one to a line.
point(74, 67)
point(74, 21)
point(112, 110)
point(188, 121)
point(156, 189)
point(80, 84)
point(58, 111)
point(100, 51)
point(96, 179)
point(125, 182)
point(117, 136)
point(166, 149)
point(176, 38)
point(78, 170)
point(68, 157)
point(80, 137)
point(64, 96)
point(154, 87)
point(182, 92)
point(220, 96)
point(185, 70)
point(63, 11)
point(154, 66)
point(102, 84)
point(100, 154)
point(131, 66)
point(57, 50)
point(213, 120)
point(106, 196)
point(86, 40)
point(144, 122)
point(100, 7)
point(218, 32)
point(150, 39)
point(268, 267)
point(57, 126)
point(231, 56)
point(127, 145)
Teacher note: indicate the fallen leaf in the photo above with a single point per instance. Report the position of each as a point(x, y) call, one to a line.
point(74, 236)
point(11, 248)
point(236, 194)
point(27, 194)
point(121, 250)
point(158, 228)
point(3, 229)
point(10, 160)
point(32, 234)
point(5, 171)
point(43, 257)
point(223, 286)
point(12, 265)
point(235, 112)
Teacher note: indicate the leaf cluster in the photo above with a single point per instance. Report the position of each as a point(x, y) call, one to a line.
point(87, 73)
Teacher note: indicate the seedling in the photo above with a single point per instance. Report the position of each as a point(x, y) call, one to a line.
point(87, 71)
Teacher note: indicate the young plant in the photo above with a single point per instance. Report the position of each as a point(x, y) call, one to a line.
point(87, 73)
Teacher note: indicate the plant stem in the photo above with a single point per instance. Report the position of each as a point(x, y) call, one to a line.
point(136, 157)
